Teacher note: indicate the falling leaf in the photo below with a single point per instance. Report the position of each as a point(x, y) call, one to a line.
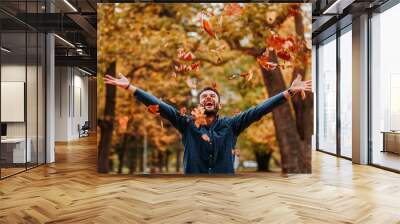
point(247, 75)
point(214, 85)
point(263, 60)
point(293, 12)
point(123, 123)
point(195, 66)
point(233, 9)
point(198, 116)
point(154, 109)
point(284, 55)
point(187, 56)
point(182, 111)
point(206, 138)
point(275, 41)
point(208, 28)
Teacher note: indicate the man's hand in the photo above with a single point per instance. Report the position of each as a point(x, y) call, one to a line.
point(121, 81)
point(299, 86)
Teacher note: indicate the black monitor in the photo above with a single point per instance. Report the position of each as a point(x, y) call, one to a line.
point(3, 129)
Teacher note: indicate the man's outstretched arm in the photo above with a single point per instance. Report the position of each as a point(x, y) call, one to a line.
point(167, 111)
point(243, 120)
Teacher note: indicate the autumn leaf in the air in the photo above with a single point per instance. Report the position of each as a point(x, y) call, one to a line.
point(186, 56)
point(123, 123)
point(195, 66)
point(182, 111)
point(275, 42)
point(208, 28)
point(214, 85)
point(247, 75)
point(154, 109)
point(263, 60)
point(293, 12)
point(233, 9)
point(283, 54)
point(199, 117)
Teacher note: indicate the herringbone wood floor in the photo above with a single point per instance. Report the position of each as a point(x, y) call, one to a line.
point(70, 191)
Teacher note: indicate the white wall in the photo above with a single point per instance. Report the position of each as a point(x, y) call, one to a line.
point(71, 94)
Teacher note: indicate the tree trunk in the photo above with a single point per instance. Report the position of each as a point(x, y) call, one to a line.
point(303, 108)
point(284, 122)
point(122, 153)
point(178, 159)
point(133, 157)
point(262, 158)
point(106, 126)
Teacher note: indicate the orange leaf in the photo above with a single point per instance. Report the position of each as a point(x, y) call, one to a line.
point(275, 42)
point(247, 75)
point(208, 28)
point(182, 111)
point(214, 85)
point(198, 116)
point(154, 109)
point(233, 9)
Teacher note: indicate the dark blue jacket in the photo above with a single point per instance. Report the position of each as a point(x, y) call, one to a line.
point(201, 156)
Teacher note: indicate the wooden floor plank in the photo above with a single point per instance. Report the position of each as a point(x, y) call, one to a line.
point(71, 191)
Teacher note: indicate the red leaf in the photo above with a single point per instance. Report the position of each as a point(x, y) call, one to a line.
point(208, 28)
point(275, 42)
point(284, 55)
point(154, 109)
point(195, 66)
point(293, 12)
point(233, 9)
point(188, 56)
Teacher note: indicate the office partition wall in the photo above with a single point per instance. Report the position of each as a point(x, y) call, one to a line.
point(22, 87)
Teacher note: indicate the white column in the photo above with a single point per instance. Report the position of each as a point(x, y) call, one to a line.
point(360, 90)
point(50, 94)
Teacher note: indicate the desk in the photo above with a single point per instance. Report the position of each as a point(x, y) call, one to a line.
point(13, 150)
point(391, 141)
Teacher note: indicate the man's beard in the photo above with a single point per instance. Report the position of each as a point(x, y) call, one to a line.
point(213, 112)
